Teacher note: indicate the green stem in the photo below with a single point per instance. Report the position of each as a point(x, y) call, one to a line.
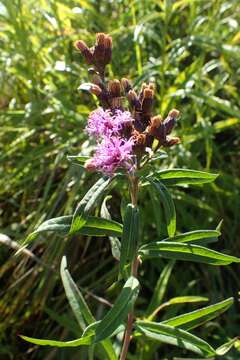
point(133, 182)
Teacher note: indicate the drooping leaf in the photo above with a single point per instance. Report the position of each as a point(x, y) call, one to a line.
point(168, 205)
point(118, 313)
point(201, 237)
point(94, 226)
point(114, 242)
point(173, 336)
point(160, 288)
point(198, 317)
point(184, 176)
point(87, 203)
point(130, 236)
point(187, 252)
point(75, 298)
point(82, 312)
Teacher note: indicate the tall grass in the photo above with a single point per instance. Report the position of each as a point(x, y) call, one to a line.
point(190, 49)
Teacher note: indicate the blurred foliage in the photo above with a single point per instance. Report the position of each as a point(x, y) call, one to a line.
point(190, 49)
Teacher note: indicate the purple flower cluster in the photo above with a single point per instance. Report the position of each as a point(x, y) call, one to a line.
point(103, 123)
point(113, 150)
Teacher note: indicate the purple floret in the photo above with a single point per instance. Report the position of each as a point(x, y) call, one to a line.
point(113, 153)
point(103, 123)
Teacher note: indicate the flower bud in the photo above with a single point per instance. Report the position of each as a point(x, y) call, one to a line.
point(170, 120)
point(147, 100)
point(96, 90)
point(86, 52)
point(172, 141)
point(114, 88)
point(126, 85)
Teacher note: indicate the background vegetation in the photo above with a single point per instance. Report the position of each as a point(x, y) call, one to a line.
point(190, 49)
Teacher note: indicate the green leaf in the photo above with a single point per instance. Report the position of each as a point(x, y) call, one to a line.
point(87, 203)
point(75, 298)
point(168, 205)
point(184, 176)
point(78, 158)
point(173, 336)
point(114, 242)
point(187, 252)
point(94, 226)
point(130, 236)
point(174, 301)
point(118, 313)
point(198, 317)
point(202, 237)
point(160, 288)
point(223, 349)
point(186, 299)
point(82, 311)
point(73, 343)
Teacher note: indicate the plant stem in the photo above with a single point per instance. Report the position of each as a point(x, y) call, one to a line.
point(133, 182)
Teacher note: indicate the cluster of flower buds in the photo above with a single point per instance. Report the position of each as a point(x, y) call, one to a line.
point(99, 55)
point(136, 126)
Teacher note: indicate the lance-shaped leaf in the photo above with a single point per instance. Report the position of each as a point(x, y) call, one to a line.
point(177, 300)
point(118, 313)
point(87, 203)
point(198, 317)
point(184, 176)
point(168, 205)
point(81, 310)
point(171, 335)
point(187, 252)
point(114, 242)
point(130, 236)
point(94, 226)
point(201, 237)
point(75, 298)
point(85, 340)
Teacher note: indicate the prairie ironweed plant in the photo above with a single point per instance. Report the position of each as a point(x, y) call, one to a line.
point(129, 137)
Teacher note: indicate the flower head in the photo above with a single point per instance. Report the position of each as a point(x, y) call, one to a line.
point(113, 153)
point(103, 123)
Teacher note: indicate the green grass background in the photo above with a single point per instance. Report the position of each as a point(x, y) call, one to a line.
point(191, 50)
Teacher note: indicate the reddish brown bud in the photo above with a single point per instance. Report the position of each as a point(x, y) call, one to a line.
point(133, 99)
point(170, 120)
point(86, 52)
point(174, 113)
point(147, 102)
point(114, 88)
point(148, 93)
point(100, 38)
point(126, 85)
point(96, 90)
point(107, 49)
point(172, 141)
point(90, 165)
point(156, 121)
